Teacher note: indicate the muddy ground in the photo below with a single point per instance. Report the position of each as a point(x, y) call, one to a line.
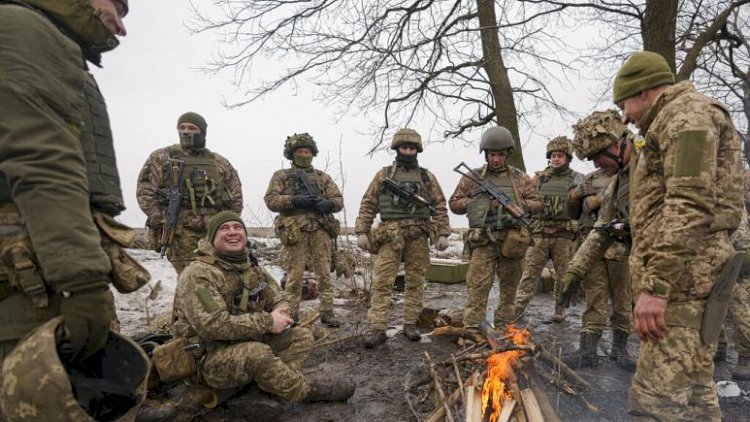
point(380, 374)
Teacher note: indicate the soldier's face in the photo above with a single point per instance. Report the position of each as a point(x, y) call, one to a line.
point(634, 108)
point(407, 150)
point(188, 128)
point(231, 238)
point(110, 12)
point(497, 158)
point(303, 152)
point(605, 162)
point(557, 159)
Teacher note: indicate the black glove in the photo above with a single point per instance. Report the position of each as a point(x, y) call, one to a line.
point(304, 202)
point(325, 206)
point(570, 285)
point(87, 315)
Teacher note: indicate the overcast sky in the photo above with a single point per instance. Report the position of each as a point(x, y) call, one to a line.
point(154, 76)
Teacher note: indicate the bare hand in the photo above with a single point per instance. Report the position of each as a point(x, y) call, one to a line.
point(280, 319)
point(649, 317)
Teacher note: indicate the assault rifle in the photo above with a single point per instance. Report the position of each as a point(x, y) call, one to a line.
point(410, 196)
point(312, 190)
point(617, 229)
point(174, 199)
point(504, 200)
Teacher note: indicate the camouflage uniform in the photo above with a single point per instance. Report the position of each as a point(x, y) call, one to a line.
point(739, 307)
point(239, 346)
point(215, 187)
point(686, 199)
point(496, 242)
point(305, 233)
point(553, 231)
point(402, 236)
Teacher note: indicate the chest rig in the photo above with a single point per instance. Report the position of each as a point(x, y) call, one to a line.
point(479, 211)
point(394, 207)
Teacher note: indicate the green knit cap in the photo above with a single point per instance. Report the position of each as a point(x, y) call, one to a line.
point(641, 71)
point(218, 220)
point(194, 118)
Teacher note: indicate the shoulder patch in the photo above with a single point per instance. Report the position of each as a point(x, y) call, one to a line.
point(689, 151)
point(206, 300)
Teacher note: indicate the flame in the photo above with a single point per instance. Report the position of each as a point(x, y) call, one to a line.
point(500, 370)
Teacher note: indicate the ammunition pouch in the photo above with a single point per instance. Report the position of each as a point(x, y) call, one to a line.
point(287, 230)
point(386, 233)
point(23, 272)
point(127, 274)
point(515, 243)
point(172, 362)
point(330, 225)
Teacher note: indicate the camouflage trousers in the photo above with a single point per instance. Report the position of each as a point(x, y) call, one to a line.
point(739, 313)
point(558, 249)
point(273, 364)
point(607, 280)
point(674, 375)
point(316, 245)
point(416, 258)
point(486, 262)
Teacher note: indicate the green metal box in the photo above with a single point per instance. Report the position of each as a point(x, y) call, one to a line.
point(447, 271)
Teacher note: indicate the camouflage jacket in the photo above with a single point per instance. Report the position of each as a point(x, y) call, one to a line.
point(280, 190)
point(598, 245)
point(686, 190)
point(530, 200)
point(370, 207)
point(155, 178)
point(207, 299)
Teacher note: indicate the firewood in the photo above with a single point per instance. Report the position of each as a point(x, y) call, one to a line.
point(439, 388)
point(564, 369)
point(507, 412)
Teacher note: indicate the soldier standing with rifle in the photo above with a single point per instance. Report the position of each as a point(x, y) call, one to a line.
point(495, 198)
point(305, 199)
point(181, 187)
point(686, 201)
point(600, 263)
point(412, 211)
point(553, 228)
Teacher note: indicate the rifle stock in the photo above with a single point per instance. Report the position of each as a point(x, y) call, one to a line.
point(399, 190)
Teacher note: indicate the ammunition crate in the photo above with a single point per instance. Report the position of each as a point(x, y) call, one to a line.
point(447, 271)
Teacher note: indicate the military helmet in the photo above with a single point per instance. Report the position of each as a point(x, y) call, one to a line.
point(406, 136)
point(562, 144)
point(298, 141)
point(597, 132)
point(109, 385)
point(496, 139)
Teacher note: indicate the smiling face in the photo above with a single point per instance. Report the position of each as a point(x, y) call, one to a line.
point(230, 238)
point(557, 159)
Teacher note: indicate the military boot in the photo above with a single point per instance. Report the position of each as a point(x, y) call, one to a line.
point(329, 319)
point(192, 401)
point(374, 337)
point(329, 389)
point(741, 372)
point(559, 315)
point(721, 353)
point(152, 411)
point(619, 351)
point(411, 332)
point(585, 356)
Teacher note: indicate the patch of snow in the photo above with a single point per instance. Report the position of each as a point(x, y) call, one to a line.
point(728, 389)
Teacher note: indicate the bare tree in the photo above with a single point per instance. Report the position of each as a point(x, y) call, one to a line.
point(406, 60)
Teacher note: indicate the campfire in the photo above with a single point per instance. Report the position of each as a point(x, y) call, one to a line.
point(496, 378)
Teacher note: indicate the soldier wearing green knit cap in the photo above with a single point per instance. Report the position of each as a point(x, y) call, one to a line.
point(208, 184)
point(686, 198)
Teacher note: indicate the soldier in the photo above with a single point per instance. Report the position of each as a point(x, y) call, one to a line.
point(496, 241)
point(52, 258)
point(406, 228)
point(739, 307)
point(687, 198)
point(553, 228)
point(236, 311)
point(305, 199)
point(208, 185)
point(601, 259)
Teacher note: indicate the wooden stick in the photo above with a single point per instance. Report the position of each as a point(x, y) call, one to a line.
point(439, 388)
point(506, 413)
point(443, 412)
point(459, 379)
point(408, 401)
point(338, 340)
point(310, 319)
point(565, 370)
point(531, 405)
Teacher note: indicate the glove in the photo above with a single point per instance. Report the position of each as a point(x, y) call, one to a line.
point(571, 283)
point(363, 242)
point(87, 315)
point(581, 190)
point(592, 202)
point(304, 202)
point(442, 243)
point(325, 206)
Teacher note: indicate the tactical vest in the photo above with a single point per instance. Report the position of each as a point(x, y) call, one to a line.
point(295, 186)
point(392, 206)
point(202, 186)
point(554, 192)
point(99, 152)
point(599, 182)
point(622, 200)
point(480, 213)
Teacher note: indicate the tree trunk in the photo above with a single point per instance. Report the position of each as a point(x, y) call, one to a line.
point(502, 92)
point(658, 29)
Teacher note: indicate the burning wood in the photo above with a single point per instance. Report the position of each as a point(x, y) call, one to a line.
point(500, 368)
